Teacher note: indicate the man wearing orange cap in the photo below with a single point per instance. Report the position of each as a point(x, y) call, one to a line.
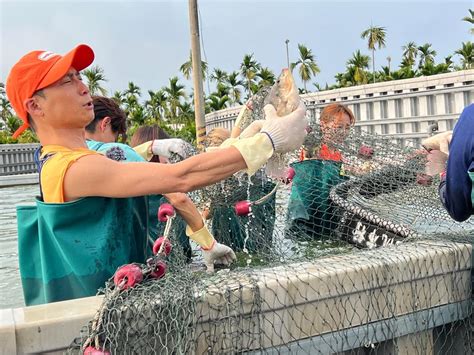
point(90, 221)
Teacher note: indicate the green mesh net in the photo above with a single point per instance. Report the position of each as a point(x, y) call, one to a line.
point(355, 256)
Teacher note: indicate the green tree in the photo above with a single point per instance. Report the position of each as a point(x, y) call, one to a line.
point(406, 69)
point(118, 97)
point(248, 69)
point(217, 103)
point(426, 54)
point(376, 38)
point(95, 76)
point(470, 19)
point(266, 77)
point(359, 63)
point(132, 90)
point(307, 64)
point(466, 52)
point(130, 100)
point(5, 107)
point(187, 68)
point(219, 76)
point(175, 92)
point(410, 52)
point(233, 82)
point(156, 105)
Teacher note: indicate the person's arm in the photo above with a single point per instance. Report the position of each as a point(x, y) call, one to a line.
point(96, 175)
point(99, 176)
point(186, 209)
point(455, 191)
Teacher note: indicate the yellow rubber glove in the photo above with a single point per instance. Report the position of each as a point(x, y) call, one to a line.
point(203, 237)
point(255, 150)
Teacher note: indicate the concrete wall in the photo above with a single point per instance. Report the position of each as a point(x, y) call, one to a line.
point(336, 303)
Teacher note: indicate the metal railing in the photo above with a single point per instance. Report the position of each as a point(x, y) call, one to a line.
point(16, 159)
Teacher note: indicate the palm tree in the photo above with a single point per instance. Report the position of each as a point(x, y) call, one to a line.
point(317, 86)
point(266, 77)
point(118, 97)
point(175, 92)
point(187, 68)
point(359, 62)
point(5, 106)
point(156, 105)
point(132, 90)
point(248, 69)
point(406, 69)
point(217, 103)
point(308, 66)
point(385, 74)
point(218, 75)
point(376, 37)
point(95, 75)
point(137, 116)
point(426, 54)
point(470, 19)
point(233, 83)
point(410, 52)
point(186, 113)
point(466, 52)
point(448, 63)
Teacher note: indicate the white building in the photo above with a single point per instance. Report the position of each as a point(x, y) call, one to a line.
point(404, 109)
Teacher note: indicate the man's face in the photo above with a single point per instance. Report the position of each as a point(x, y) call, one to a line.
point(67, 103)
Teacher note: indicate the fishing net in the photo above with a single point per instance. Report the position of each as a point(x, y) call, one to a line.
point(355, 254)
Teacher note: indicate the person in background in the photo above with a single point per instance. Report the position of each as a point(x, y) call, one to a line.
point(451, 154)
point(311, 213)
point(150, 133)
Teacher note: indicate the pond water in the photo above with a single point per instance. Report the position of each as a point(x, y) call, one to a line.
point(11, 294)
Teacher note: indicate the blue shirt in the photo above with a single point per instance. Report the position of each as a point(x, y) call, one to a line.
point(455, 191)
point(115, 151)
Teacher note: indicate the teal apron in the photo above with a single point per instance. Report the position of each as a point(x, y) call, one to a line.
point(69, 250)
point(311, 214)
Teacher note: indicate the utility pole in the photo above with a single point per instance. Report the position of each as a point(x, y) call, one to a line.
point(287, 53)
point(197, 74)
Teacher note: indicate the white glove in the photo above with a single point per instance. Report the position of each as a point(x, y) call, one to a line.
point(288, 132)
point(435, 162)
point(439, 142)
point(217, 254)
point(166, 147)
point(252, 129)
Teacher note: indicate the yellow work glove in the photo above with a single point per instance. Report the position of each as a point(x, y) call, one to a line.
point(144, 150)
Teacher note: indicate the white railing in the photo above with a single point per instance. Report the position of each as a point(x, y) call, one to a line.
point(16, 159)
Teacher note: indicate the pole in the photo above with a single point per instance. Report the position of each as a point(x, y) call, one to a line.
point(287, 53)
point(197, 74)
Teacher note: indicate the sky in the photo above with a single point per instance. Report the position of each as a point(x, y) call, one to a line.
point(147, 41)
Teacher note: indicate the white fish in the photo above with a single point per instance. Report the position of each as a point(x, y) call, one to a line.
point(285, 98)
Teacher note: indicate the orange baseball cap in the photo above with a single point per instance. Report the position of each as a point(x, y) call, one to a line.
point(39, 69)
